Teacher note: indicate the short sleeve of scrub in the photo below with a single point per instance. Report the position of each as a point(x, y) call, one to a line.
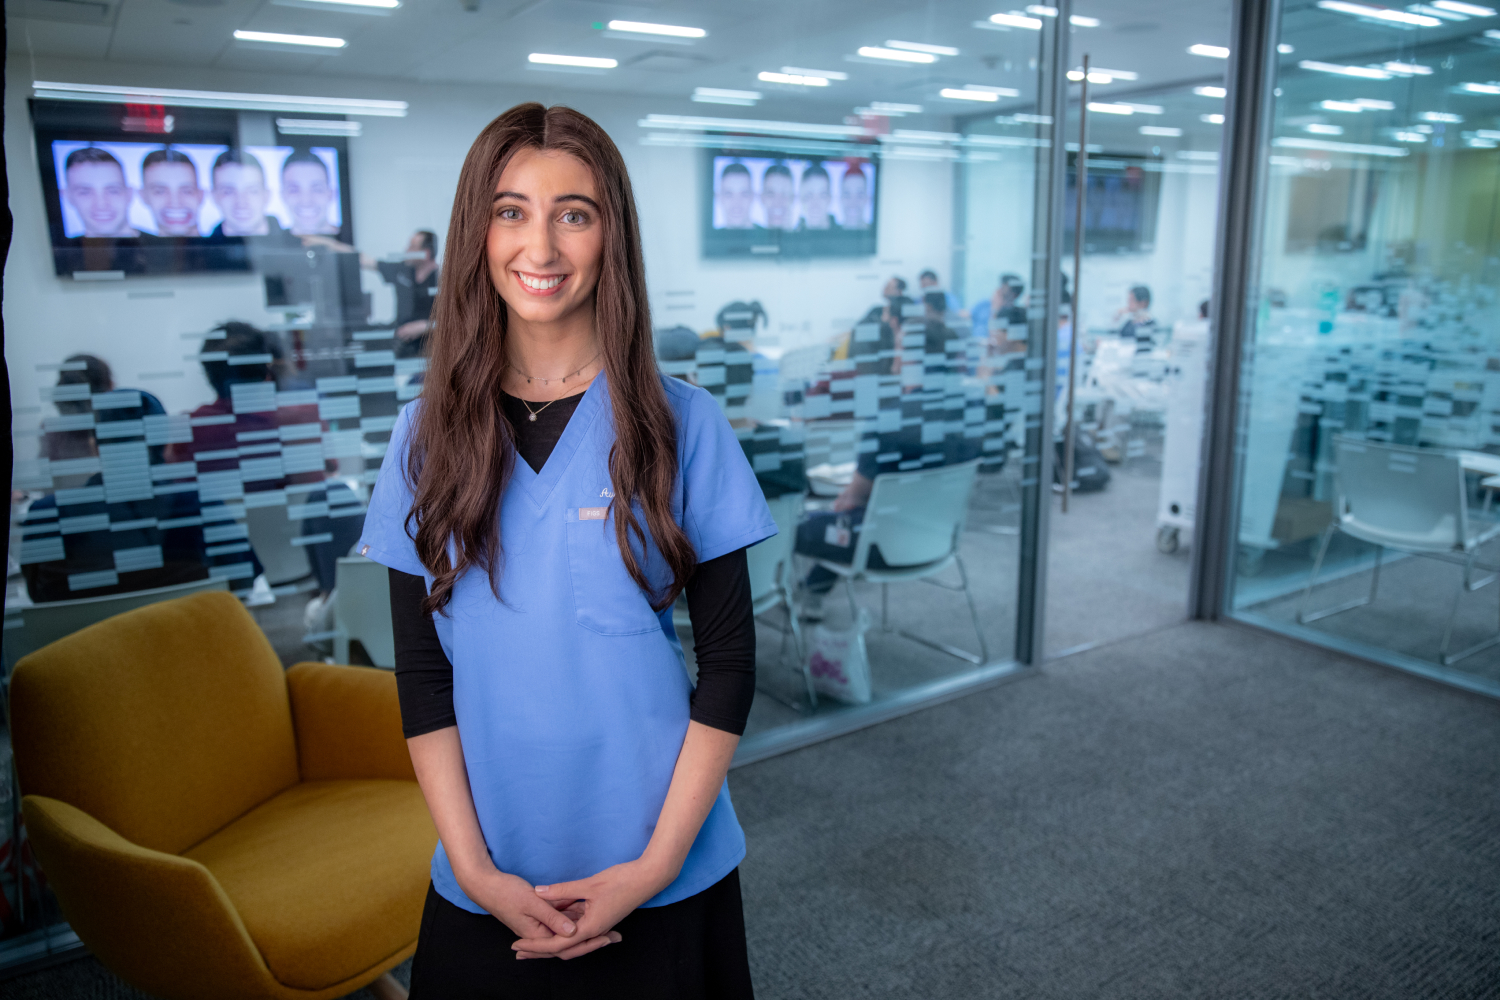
point(384, 538)
point(723, 506)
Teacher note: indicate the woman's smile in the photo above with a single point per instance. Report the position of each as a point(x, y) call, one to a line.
point(541, 284)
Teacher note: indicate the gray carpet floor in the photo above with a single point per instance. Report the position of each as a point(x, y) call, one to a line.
point(1201, 811)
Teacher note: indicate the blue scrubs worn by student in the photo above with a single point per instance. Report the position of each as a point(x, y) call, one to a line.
point(570, 692)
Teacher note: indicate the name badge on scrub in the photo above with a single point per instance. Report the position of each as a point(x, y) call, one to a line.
point(592, 513)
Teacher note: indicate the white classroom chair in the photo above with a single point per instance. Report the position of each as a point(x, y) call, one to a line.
point(916, 519)
point(363, 611)
point(32, 626)
point(1413, 500)
point(771, 584)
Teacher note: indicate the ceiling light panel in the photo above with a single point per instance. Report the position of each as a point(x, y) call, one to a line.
point(955, 94)
point(1079, 21)
point(1218, 92)
point(1162, 130)
point(935, 50)
point(345, 6)
point(792, 79)
point(827, 74)
point(1346, 107)
point(1363, 72)
point(896, 55)
point(716, 95)
point(646, 28)
point(1017, 20)
point(1211, 51)
point(583, 62)
point(1473, 10)
point(316, 126)
point(1480, 88)
point(278, 38)
point(1317, 128)
point(1380, 13)
point(1212, 119)
point(1441, 116)
point(1406, 69)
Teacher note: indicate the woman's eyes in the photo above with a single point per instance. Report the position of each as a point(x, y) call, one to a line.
point(572, 217)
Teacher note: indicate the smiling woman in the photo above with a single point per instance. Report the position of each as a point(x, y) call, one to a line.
point(576, 779)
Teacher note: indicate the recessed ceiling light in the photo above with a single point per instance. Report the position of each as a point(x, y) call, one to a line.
point(1408, 137)
point(1100, 75)
point(936, 50)
point(1212, 119)
point(277, 38)
point(792, 79)
point(1370, 104)
point(1380, 13)
point(587, 62)
point(896, 55)
point(1031, 119)
point(1017, 21)
point(1473, 10)
point(1480, 88)
point(645, 28)
point(1478, 143)
point(1406, 69)
point(1210, 91)
point(1317, 128)
point(989, 89)
point(1332, 145)
point(1111, 109)
point(1487, 133)
point(1143, 109)
point(1165, 130)
point(1348, 107)
point(715, 95)
point(1041, 10)
point(1441, 116)
point(954, 94)
point(1363, 72)
point(896, 109)
point(1446, 15)
point(827, 74)
point(1206, 155)
point(1212, 51)
point(1079, 21)
point(1286, 49)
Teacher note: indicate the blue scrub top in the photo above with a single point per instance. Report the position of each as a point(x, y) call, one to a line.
point(570, 691)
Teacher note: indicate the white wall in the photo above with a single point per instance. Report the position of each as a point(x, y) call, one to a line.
point(403, 172)
point(1179, 270)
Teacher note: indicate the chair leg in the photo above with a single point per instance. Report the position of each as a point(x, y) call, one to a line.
point(1303, 615)
point(1464, 587)
point(954, 651)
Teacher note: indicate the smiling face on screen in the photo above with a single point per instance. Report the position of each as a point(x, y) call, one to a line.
point(240, 192)
point(99, 194)
point(171, 192)
point(307, 193)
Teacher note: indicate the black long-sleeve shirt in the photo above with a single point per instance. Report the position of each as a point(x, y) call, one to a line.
point(718, 596)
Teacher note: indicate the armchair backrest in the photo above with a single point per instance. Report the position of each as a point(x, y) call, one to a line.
point(163, 723)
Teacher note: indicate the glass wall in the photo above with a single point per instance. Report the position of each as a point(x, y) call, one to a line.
point(226, 250)
point(1369, 445)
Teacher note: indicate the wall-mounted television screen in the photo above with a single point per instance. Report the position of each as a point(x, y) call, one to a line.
point(790, 206)
point(179, 190)
point(1120, 212)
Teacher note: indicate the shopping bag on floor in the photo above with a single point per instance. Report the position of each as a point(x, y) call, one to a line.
point(837, 660)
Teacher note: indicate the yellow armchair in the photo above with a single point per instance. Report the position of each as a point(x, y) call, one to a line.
point(211, 824)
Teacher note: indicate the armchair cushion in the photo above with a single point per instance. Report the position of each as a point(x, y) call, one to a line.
point(348, 723)
point(328, 876)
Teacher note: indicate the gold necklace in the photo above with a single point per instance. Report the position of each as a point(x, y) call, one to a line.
point(545, 381)
point(531, 414)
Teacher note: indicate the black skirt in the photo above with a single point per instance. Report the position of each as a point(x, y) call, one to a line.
point(693, 949)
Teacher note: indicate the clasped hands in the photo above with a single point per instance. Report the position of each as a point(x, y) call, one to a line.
point(568, 919)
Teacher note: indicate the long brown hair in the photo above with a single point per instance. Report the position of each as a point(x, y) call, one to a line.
point(462, 446)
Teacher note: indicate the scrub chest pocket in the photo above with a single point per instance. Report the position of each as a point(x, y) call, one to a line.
point(607, 600)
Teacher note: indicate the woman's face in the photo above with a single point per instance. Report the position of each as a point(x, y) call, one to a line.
point(546, 236)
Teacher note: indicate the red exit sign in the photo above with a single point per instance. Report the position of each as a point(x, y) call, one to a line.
point(151, 118)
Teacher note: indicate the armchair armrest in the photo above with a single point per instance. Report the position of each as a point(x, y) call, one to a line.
point(162, 922)
point(348, 723)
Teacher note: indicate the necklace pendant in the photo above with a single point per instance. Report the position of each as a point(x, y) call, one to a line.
point(532, 418)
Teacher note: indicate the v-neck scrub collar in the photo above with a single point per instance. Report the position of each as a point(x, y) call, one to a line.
point(570, 691)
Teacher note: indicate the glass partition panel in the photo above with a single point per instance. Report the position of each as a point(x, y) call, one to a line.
point(1369, 440)
point(227, 251)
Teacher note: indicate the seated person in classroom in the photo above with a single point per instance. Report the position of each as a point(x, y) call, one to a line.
point(992, 317)
point(1139, 326)
point(928, 282)
point(831, 535)
point(138, 540)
